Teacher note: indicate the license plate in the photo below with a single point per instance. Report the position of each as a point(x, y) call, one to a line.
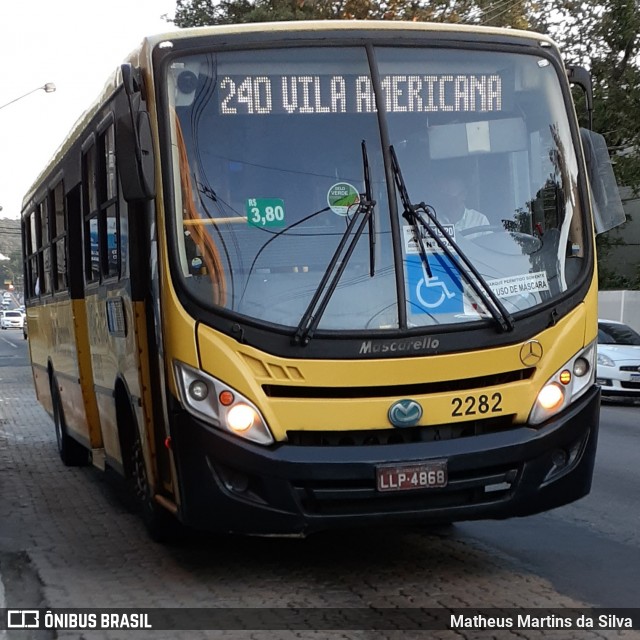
point(635, 377)
point(427, 475)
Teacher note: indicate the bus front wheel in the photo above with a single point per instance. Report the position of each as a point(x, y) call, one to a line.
point(160, 524)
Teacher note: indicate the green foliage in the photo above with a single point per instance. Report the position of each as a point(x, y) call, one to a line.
point(11, 269)
point(609, 278)
point(602, 35)
point(192, 13)
point(11, 248)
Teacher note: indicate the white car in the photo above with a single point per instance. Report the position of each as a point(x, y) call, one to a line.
point(618, 370)
point(12, 320)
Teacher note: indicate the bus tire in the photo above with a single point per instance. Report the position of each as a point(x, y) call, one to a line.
point(71, 452)
point(160, 524)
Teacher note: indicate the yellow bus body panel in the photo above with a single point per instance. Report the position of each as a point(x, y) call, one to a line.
point(109, 357)
point(86, 374)
point(52, 342)
point(120, 357)
point(247, 369)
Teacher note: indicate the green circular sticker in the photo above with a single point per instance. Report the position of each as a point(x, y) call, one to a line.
point(343, 198)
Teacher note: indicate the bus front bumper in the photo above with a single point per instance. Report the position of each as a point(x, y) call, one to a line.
point(228, 484)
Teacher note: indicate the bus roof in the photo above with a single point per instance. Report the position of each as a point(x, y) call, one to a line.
point(341, 25)
point(148, 43)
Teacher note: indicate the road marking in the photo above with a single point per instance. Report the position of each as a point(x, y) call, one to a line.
point(11, 343)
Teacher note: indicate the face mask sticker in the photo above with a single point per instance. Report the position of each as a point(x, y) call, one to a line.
point(520, 285)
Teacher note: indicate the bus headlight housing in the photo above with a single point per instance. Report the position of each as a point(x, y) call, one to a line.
point(566, 385)
point(209, 399)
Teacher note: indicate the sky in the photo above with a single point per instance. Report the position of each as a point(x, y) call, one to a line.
point(75, 44)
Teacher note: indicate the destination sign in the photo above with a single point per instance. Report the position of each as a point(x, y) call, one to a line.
point(322, 94)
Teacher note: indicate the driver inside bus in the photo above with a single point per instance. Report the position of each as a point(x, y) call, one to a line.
point(453, 206)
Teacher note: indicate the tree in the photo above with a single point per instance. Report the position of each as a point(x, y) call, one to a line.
point(603, 35)
point(11, 269)
point(11, 249)
point(192, 13)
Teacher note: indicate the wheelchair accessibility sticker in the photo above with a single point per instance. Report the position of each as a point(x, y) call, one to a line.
point(440, 293)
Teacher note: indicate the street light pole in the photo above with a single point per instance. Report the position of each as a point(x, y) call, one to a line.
point(49, 87)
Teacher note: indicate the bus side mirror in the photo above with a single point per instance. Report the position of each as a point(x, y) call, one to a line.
point(580, 77)
point(607, 204)
point(134, 142)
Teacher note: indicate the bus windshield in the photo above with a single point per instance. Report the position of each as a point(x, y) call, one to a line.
point(268, 174)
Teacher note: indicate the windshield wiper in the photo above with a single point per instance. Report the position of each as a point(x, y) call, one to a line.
point(409, 213)
point(412, 213)
point(371, 204)
point(338, 263)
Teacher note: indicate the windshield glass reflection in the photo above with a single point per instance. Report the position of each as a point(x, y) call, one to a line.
point(270, 175)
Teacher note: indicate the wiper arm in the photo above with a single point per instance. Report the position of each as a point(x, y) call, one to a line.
point(409, 214)
point(328, 284)
point(475, 279)
point(370, 203)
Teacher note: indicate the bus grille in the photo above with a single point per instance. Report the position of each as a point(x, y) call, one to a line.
point(464, 489)
point(395, 391)
point(373, 437)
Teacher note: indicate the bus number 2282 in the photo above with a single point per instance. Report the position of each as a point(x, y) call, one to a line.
point(474, 405)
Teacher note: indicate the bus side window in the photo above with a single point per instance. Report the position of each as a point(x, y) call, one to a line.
point(45, 256)
point(90, 207)
point(59, 238)
point(31, 234)
point(109, 225)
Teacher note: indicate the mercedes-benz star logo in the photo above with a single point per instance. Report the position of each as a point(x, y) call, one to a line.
point(405, 413)
point(531, 353)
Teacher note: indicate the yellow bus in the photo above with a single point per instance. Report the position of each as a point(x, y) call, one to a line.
point(294, 276)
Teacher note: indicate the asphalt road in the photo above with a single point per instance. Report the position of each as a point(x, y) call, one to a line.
point(590, 549)
point(13, 349)
point(70, 538)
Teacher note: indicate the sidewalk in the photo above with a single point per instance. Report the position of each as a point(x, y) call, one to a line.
point(74, 542)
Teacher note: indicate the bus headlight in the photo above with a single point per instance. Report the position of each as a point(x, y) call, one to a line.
point(566, 385)
point(241, 417)
point(551, 396)
point(209, 399)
